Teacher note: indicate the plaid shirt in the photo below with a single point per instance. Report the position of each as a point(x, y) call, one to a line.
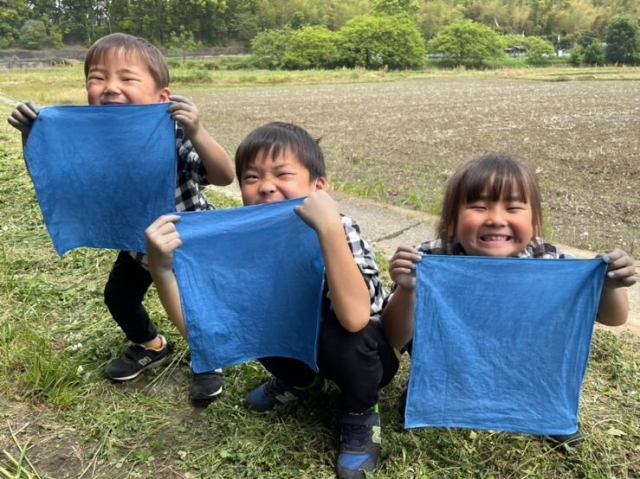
point(191, 176)
point(364, 258)
point(537, 248)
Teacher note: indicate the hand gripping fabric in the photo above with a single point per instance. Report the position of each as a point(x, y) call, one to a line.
point(102, 174)
point(250, 282)
point(502, 343)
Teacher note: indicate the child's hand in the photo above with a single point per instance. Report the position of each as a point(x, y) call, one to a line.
point(185, 112)
point(162, 239)
point(23, 116)
point(622, 269)
point(402, 267)
point(319, 211)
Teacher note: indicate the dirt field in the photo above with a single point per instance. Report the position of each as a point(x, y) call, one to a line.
point(398, 142)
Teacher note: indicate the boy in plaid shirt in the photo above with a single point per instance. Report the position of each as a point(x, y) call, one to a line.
point(123, 69)
point(281, 161)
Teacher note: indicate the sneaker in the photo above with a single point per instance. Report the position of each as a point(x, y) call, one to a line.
point(571, 440)
point(205, 387)
point(359, 444)
point(276, 392)
point(136, 359)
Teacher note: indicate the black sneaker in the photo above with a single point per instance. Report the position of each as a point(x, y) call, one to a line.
point(205, 387)
point(276, 392)
point(136, 359)
point(359, 444)
point(571, 440)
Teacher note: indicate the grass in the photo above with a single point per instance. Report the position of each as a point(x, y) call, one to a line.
point(60, 418)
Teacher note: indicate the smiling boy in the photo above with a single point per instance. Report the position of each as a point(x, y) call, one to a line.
point(282, 161)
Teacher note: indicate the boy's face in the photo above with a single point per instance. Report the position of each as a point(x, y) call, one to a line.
point(121, 79)
point(495, 228)
point(267, 179)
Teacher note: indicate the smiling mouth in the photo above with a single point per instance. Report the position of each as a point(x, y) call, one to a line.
point(496, 238)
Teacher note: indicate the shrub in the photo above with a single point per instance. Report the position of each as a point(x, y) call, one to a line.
point(539, 51)
point(311, 47)
point(593, 54)
point(270, 47)
point(379, 41)
point(33, 35)
point(467, 43)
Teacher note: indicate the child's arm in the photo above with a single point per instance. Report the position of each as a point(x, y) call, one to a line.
point(215, 160)
point(397, 316)
point(349, 293)
point(162, 239)
point(22, 118)
point(614, 302)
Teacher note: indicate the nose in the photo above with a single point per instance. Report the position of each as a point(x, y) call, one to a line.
point(111, 86)
point(267, 188)
point(495, 217)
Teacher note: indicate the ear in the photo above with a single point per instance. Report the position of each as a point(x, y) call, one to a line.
point(164, 94)
point(321, 183)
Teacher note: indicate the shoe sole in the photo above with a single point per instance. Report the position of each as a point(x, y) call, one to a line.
point(123, 379)
point(204, 401)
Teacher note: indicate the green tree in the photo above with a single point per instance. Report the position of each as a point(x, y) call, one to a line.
point(375, 42)
point(395, 7)
point(270, 47)
point(593, 54)
point(539, 50)
point(33, 35)
point(467, 43)
point(311, 47)
point(623, 41)
point(183, 42)
point(12, 16)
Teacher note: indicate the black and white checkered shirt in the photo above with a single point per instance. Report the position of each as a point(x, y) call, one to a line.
point(191, 175)
point(537, 248)
point(365, 259)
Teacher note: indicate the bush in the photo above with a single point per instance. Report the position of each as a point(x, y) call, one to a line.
point(539, 51)
point(576, 57)
point(593, 54)
point(379, 41)
point(467, 43)
point(270, 47)
point(311, 47)
point(33, 35)
point(623, 41)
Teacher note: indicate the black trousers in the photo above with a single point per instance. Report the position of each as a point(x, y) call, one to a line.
point(359, 363)
point(126, 287)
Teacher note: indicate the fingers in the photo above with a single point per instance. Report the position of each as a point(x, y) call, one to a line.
point(621, 267)
point(23, 116)
point(180, 99)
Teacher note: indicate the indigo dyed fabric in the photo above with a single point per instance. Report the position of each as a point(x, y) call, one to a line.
point(502, 343)
point(102, 174)
point(250, 283)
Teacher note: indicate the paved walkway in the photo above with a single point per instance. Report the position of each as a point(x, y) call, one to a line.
point(386, 227)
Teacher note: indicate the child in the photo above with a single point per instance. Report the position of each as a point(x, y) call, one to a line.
point(122, 69)
point(281, 161)
point(492, 207)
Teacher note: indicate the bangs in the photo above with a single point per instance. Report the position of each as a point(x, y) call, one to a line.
point(505, 182)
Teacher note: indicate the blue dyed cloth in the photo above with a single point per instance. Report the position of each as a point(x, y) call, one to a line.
point(250, 282)
point(502, 343)
point(102, 174)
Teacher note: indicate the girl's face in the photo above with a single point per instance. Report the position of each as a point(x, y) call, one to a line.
point(495, 228)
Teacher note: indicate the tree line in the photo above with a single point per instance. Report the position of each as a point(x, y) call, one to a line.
point(42, 23)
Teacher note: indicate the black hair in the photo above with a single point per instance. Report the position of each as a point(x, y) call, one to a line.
point(276, 138)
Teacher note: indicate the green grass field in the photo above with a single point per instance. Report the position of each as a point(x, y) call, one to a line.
point(59, 418)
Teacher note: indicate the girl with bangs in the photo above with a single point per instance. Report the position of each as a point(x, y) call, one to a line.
point(492, 207)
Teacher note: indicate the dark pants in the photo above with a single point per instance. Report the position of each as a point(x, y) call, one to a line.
point(359, 363)
point(127, 284)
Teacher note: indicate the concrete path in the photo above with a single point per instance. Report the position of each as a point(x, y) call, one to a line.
point(386, 227)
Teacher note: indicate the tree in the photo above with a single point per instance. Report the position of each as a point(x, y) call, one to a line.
point(12, 15)
point(467, 43)
point(381, 41)
point(395, 7)
point(593, 54)
point(33, 35)
point(311, 47)
point(623, 41)
point(539, 50)
point(270, 47)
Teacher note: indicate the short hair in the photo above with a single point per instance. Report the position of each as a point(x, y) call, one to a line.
point(129, 45)
point(496, 174)
point(276, 138)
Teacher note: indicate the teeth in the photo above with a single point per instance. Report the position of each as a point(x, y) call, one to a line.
point(495, 238)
